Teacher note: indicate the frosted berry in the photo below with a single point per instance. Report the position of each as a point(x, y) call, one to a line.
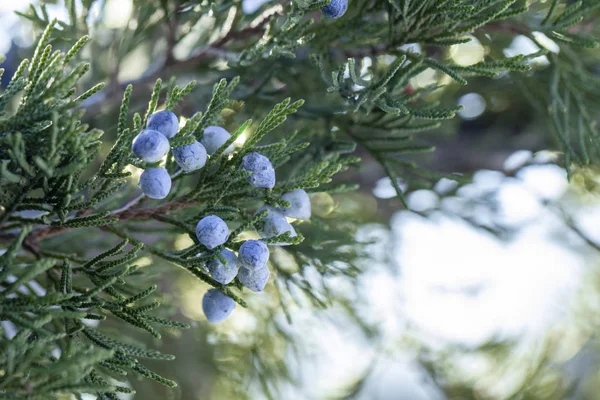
point(263, 174)
point(253, 254)
point(276, 224)
point(335, 9)
point(155, 183)
point(212, 231)
point(254, 280)
point(215, 137)
point(299, 204)
point(150, 145)
point(190, 157)
point(217, 306)
point(224, 272)
point(164, 122)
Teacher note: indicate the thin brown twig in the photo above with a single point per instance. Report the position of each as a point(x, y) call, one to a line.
point(124, 213)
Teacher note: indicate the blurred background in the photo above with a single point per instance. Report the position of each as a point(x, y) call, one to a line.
point(488, 289)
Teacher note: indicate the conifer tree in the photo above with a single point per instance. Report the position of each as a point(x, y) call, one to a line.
point(305, 88)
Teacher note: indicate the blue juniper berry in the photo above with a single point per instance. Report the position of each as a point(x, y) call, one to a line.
point(253, 254)
point(263, 173)
point(191, 157)
point(275, 224)
point(299, 204)
point(217, 306)
point(254, 280)
point(155, 183)
point(150, 145)
point(165, 122)
point(215, 137)
point(212, 231)
point(335, 9)
point(223, 272)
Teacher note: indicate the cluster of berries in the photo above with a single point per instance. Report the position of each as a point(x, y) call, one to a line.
point(250, 264)
point(152, 144)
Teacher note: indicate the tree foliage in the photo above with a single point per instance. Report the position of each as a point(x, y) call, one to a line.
point(320, 89)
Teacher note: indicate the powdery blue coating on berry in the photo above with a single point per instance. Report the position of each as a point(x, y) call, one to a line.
point(299, 204)
point(215, 137)
point(335, 9)
point(212, 231)
point(190, 157)
point(217, 306)
point(223, 273)
point(165, 122)
point(150, 145)
point(254, 280)
point(155, 183)
point(263, 174)
point(253, 254)
point(275, 224)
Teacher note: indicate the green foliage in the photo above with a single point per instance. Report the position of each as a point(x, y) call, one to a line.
point(44, 171)
point(55, 321)
point(43, 146)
